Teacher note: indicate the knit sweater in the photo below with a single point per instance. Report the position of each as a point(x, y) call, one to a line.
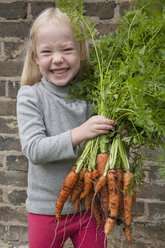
point(45, 119)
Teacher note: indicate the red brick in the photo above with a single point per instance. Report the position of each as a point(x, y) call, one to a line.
point(17, 179)
point(103, 10)
point(11, 68)
point(2, 88)
point(1, 195)
point(17, 197)
point(13, 49)
point(8, 126)
point(2, 231)
point(17, 163)
point(13, 88)
point(14, 10)
point(156, 211)
point(37, 7)
point(123, 7)
point(106, 28)
point(9, 143)
point(15, 214)
point(152, 191)
point(7, 108)
point(14, 29)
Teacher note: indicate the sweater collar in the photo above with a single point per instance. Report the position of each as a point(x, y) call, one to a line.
point(60, 91)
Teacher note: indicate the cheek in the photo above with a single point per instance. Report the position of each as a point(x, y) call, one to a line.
point(44, 63)
point(76, 61)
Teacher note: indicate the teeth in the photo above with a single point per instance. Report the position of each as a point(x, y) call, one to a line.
point(59, 71)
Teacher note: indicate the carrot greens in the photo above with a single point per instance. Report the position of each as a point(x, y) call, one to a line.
point(125, 83)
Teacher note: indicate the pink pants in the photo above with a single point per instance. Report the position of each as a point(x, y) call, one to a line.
point(46, 232)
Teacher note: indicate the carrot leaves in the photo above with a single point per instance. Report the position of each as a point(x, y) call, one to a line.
point(126, 79)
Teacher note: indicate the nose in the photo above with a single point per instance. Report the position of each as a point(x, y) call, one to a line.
point(57, 58)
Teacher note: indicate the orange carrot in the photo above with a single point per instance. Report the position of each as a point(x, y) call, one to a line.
point(119, 174)
point(66, 189)
point(101, 161)
point(128, 199)
point(77, 205)
point(101, 182)
point(95, 176)
point(88, 200)
point(73, 168)
point(78, 187)
point(96, 211)
point(105, 199)
point(109, 225)
point(87, 184)
point(113, 201)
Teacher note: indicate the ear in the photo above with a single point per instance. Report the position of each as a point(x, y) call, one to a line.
point(35, 58)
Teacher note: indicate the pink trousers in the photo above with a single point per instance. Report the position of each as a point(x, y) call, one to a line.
point(45, 232)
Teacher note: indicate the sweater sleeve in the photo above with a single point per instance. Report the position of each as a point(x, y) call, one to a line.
point(36, 146)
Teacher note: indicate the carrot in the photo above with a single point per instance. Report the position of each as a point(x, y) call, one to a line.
point(113, 201)
point(128, 199)
point(73, 168)
point(66, 189)
point(77, 205)
point(109, 224)
point(103, 190)
point(78, 187)
point(101, 182)
point(88, 200)
point(119, 174)
point(105, 198)
point(95, 176)
point(101, 161)
point(87, 184)
point(96, 211)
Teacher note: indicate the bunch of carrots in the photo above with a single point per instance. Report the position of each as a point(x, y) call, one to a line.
point(124, 86)
point(103, 187)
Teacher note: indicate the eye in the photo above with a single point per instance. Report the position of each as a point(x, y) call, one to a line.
point(69, 49)
point(45, 51)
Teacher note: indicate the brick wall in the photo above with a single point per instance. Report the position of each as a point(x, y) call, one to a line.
point(149, 209)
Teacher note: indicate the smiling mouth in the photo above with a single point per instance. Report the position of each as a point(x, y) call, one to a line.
point(60, 71)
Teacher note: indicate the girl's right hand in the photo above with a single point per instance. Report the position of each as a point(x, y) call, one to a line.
point(92, 128)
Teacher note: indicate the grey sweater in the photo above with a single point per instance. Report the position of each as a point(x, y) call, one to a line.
point(45, 119)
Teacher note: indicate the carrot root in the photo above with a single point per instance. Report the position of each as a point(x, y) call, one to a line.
point(78, 187)
point(101, 182)
point(87, 184)
point(128, 200)
point(67, 187)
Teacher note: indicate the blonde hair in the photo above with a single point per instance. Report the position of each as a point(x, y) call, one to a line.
point(31, 73)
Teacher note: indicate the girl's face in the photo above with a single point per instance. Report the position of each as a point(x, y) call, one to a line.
point(57, 53)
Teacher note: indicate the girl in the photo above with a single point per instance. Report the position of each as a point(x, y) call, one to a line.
point(52, 128)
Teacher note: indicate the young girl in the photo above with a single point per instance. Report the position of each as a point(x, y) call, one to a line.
point(51, 129)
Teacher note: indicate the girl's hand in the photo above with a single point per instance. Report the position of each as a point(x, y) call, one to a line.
point(92, 128)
